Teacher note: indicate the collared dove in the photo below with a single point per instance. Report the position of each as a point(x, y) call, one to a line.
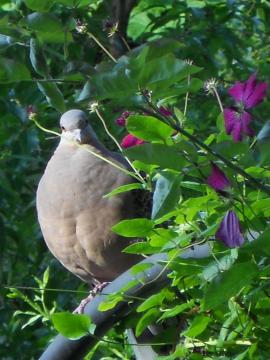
point(74, 216)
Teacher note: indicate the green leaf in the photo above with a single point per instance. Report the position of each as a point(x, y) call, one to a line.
point(228, 284)
point(198, 325)
point(46, 277)
point(166, 157)
point(153, 300)
point(38, 5)
point(110, 302)
point(37, 58)
point(53, 95)
point(43, 22)
point(72, 326)
point(260, 246)
point(47, 27)
point(124, 188)
point(85, 93)
point(166, 195)
point(138, 268)
point(196, 3)
point(177, 310)
point(194, 186)
point(148, 318)
point(164, 71)
point(12, 71)
point(134, 228)
point(140, 248)
point(148, 128)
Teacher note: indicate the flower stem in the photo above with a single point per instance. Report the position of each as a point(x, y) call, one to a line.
point(186, 98)
point(218, 99)
point(252, 181)
point(101, 46)
point(86, 148)
point(118, 145)
point(124, 41)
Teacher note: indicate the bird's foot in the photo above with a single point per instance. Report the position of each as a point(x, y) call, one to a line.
point(96, 290)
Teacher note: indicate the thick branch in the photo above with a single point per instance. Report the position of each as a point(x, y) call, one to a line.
point(151, 281)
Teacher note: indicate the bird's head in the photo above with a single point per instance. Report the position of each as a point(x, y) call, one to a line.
point(75, 127)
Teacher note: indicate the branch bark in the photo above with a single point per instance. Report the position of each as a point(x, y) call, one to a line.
point(151, 281)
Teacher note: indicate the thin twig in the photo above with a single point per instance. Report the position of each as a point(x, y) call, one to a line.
point(92, 36)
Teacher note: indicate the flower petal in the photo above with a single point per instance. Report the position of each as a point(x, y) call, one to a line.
point(257, 96)
point(217, 179)
point(237, 91)
point(246, 119)
point(130, 140)
point(229, 231)
point(237, 131)
point(229, 119)
point(121, 121)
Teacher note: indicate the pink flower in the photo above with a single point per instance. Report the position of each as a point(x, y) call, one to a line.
point(247, 95)
point(121, 121)
point(229, 231)
point(217, 179)
point(130, 140)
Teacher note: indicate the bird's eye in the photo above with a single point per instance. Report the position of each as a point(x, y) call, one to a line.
point(63, 128)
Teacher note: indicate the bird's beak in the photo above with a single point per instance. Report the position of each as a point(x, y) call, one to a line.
point(77, 135)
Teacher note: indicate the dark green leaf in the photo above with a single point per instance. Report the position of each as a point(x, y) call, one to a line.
point(53, 95)
point(37, 58)
point(166, 195)
point(260, 246)
point(12, 71)
point(43, 22)
point(166, 157)
point(228, 284)
point(38, 5)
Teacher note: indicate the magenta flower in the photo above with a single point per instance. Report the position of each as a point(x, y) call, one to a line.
point(164, 111)
point(217, 179)
point(122, 120)
point(246, 95)
point(130, 140)
point(229, 231)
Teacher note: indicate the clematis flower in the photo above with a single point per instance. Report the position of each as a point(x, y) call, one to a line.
point(121, 121)
point(246, 95)
point(130, 140)
point(217, 179)
point(229, 231)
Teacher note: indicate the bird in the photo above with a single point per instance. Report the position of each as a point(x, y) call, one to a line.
point(74, 216)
